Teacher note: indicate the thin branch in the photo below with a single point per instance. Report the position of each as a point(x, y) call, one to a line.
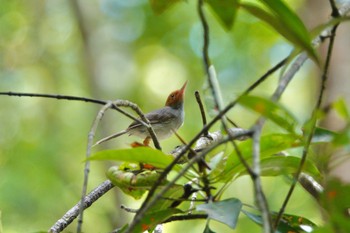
point(311, 133)
point(133, 106)
point(89, 199)
point(259, 193)
point(201, 108)
point(335, 12)
point(72, 98)
point(186, 217)
point(87, 163)
point(124, 103)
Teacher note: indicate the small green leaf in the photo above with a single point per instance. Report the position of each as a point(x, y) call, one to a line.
point(225, 10)
point(288, 223)
point(151, 219)
point(341, 108)
point(226, 211)
point(322, 135)
point(159, 6)
point(136, 155)
point(271, 110)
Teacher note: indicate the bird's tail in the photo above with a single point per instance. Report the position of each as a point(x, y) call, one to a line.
point(110, 137)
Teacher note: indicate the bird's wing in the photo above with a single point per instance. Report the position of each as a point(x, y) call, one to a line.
point(155, 117)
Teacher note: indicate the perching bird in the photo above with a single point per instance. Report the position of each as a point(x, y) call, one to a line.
point(164, 121)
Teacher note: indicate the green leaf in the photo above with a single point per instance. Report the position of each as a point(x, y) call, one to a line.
point(271, 110)
point(175, 192)
point(270, 144)
point(288, 223)
point(159, 6)
point(281, 165)
point(207, 229)
point(322, 135)
point(135, 155)
point(225, 10)
point(341, 108)
point(335, 200)
point(226, 211)
point(297, 32)
point(132, 183)
point(151, 219)
point(285, 22)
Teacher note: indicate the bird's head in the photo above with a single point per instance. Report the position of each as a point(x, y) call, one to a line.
point(176, 98)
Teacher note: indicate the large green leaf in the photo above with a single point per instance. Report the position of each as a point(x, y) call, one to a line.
point(298, 34)
point(225, 10)
point(226, 211)
point(159, 6)
point(271, 110)
point(136, 155)
point(285, 22)
point(288, 222)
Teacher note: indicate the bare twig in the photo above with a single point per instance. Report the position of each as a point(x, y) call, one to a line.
point(201, 108)
point(87, 162)
point(89, 199)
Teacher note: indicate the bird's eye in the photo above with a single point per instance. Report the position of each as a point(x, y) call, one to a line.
point(172, 95)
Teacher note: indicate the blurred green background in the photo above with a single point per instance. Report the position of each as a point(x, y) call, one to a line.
point(114, 49)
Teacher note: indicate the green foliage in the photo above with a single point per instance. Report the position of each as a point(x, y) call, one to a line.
point(335, 199)
point(226, 11)
point(288, 223)
point(43, 50)
point(146, 155)
point(225, 211)
point(159, 6)
point(271, 110)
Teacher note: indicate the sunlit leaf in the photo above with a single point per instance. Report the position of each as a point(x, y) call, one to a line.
point(226, 211)
point(297, 32)
point(225, 10)
point(288, 223)
point(159, 6)
point(334, 21)
point(285, 22)
point(271, 110)
point(136, 155)
point(341, 108)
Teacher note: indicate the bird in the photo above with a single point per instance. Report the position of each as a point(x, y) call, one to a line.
point(165, 121)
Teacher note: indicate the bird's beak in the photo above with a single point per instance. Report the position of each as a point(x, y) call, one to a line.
point(182, 90)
